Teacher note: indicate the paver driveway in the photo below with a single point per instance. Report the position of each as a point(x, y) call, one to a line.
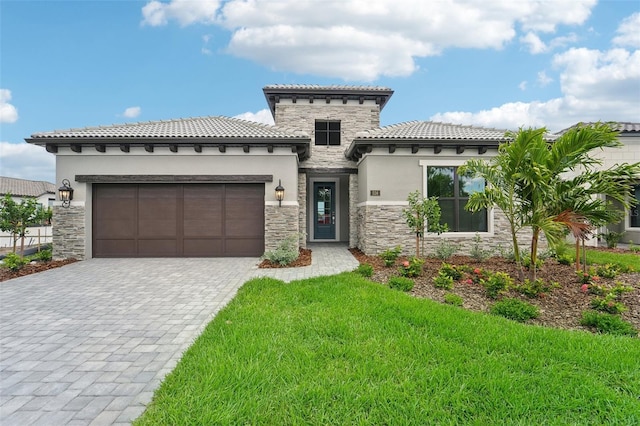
point(88, 343)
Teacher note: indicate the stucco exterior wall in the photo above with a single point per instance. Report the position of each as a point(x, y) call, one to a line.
point(282, 164)
point(380, 224)
point(628, 153)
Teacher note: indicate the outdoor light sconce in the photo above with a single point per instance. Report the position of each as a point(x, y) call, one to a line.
point(65, 192)
point(279, 193)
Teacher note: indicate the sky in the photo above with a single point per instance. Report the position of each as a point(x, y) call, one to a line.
point(504, 64)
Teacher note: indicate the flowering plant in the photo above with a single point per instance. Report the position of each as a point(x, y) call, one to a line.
point(411, 268)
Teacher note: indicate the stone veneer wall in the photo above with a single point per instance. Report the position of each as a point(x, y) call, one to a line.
point(302, 214)
point(280, 222)
point(68, 232)
point(353, 209)
point(353, 119)
point(383, 227)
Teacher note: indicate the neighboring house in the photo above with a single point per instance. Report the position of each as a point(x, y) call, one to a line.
point(43, 192)
point(206, 186)
point(630, 153)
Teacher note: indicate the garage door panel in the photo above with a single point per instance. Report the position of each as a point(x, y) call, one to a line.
point(107, 248)
point(243, 246)
point(157, 248)
point(163, 220)
point(196, 247)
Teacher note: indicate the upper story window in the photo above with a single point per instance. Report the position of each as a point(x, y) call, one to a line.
point(634, 214)
point(453, 192)
point(327, 132)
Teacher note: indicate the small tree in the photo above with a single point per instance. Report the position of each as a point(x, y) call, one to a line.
point(15, 218)
point(423, 214)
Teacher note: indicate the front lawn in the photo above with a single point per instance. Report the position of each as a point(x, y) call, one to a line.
point(343, 350)
point(627, 260)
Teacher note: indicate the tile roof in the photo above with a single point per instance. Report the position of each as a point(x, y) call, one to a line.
point(622, 127)
point(313, 87)
point(25, 188)
point(429, 130)
point(199, 127)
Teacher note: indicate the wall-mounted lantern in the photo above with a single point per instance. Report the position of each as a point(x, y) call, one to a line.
point(65, 193)
point(279, 193)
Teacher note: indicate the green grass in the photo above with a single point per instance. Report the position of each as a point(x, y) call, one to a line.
point(342, 350)
point(625, 260)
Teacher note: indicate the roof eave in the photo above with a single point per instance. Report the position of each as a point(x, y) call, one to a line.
point(360, 147)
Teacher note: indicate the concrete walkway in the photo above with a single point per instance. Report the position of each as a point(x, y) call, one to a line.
point(88, 343)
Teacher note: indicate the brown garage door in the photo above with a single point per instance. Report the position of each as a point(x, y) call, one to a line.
point(178, 220)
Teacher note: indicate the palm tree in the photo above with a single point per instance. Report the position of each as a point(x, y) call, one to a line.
point(535, 174)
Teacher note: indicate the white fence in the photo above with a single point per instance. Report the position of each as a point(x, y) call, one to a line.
point(36, 235)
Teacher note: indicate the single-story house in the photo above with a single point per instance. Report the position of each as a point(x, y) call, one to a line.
point(629, 135)
point(210, 186)
point(20, 189)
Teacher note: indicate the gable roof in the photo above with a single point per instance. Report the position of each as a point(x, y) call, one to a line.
point(620, 126)
point(273, 93)
point(25, 188)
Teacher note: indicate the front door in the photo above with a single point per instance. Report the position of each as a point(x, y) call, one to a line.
point(324, 212)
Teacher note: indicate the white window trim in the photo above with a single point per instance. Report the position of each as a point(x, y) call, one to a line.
point(451, 162)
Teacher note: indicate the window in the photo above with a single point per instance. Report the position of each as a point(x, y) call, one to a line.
point(453, 192)
point(634, 214)
point(327, 132)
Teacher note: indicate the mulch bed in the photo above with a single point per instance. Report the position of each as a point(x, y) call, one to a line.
point(561, 308)
point(304, 259)
point(32, 268)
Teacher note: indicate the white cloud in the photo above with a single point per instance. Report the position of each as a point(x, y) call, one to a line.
point(186, 12)
point(595, 85)
point(629, 32)
point(544, 79)
point(205, 42)
point(522, 86)
point(132, 112)
point(365, 39)
point(8, 113)
point(533, 42)
point(263, 116)
point(26, 161)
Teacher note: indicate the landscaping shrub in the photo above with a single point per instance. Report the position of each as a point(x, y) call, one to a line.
point(14, 261)
point(526, 262)
point(453, 299)
point(42, 256)
point(411, 268)
point(564, 259)
point(515, 309)
point(535, 288)
point(286, 252)
point(496, 283)
point(445, 249)
point(442, 280)
point(607, 271)
point(612, 238)
point(478, 252)
point(389, 256)
point(608, 304)
point(400, 283)
point(608, 323)
point(365, 270)
point(451, 271)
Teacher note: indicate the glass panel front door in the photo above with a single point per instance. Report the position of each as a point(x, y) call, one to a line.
point(324, 211)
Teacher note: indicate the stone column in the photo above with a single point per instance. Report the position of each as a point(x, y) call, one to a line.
point(280, 222)
point(68, 232)
point(353, 211)
point(302, 209)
